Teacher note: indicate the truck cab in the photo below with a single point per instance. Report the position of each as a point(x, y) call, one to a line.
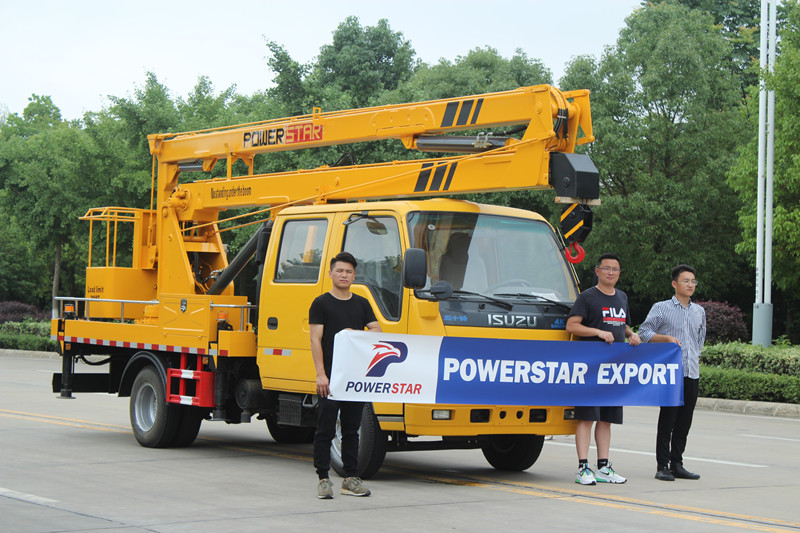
point(493, 272)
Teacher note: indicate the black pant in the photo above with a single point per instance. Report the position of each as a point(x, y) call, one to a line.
point(350, 414)
point(673, 426)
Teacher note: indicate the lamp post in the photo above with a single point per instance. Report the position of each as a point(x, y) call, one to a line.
point(762, 308)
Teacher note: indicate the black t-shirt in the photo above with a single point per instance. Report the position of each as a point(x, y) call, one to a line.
point(601, 311)
point(336, 315)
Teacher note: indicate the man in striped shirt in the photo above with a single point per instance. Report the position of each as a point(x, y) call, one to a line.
point(681, 321)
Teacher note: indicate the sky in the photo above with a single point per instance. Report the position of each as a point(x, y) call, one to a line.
point(79, 52)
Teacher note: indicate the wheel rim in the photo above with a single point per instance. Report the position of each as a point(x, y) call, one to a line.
point(145, 407)
point(336, 443)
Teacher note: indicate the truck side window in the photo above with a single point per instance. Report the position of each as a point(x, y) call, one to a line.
point(375, 243)
point(300, 255)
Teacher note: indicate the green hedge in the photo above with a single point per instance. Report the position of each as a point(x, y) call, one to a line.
point(27, 342)
point(37, 329)
point(781, 360)
point(734, 384)
point(27, 335)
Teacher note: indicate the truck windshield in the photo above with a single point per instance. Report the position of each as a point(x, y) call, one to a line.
point(493, 255)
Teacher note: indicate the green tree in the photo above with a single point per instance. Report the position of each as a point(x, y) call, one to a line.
point(46, 177)
point(359, 68)
point(482, 70)
point(361, 64)
point(24, 274)
point(739, 22)
point(668, 123)
point(40, 113)
point(151, 110)
point(290, 92)
point(743, 176)
point(355, 70)
point(203, 109)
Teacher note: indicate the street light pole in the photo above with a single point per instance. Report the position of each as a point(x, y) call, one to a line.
point(762, 308)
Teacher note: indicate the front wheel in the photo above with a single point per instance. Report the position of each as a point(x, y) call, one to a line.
point(153, 420)
point(371, 445)
point(513, 452)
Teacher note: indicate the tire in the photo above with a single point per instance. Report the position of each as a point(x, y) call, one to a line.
point(513, 452)
point(189, 425)
point(371, 445)
point(289, 434)
point(153, 420)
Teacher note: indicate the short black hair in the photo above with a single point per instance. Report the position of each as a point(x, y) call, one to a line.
point(345, 257)
point(608, 255)
point(680, 269)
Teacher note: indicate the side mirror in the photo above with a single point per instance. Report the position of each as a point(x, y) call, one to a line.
point(415, 268)
point(442, 290)
point(376, 227)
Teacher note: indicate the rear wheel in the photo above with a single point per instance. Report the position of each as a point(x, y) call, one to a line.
point(189, 426)
point(289, 434)
point(371, 445)
point(153, 420)
point(513, 452)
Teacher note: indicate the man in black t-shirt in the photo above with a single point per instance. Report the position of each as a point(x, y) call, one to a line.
point(330, 313)
point(600, 313)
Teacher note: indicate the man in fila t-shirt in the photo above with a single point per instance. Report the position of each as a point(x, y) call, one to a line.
point(600, 313)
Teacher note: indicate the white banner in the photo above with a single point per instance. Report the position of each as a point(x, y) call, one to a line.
point(364, 367)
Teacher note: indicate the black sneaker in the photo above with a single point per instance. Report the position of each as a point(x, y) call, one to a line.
point(664, 474)
point(679, 471)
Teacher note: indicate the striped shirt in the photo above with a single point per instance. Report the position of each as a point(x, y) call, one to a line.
point(687, 324)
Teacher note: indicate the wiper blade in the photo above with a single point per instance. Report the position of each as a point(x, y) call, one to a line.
point(540, 298)
point(442, 290)
point(501, 303)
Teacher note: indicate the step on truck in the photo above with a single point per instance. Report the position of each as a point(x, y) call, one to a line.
point(159, 321)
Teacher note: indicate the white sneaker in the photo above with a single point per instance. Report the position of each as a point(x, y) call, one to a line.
point(585, 476)
point(607, 475)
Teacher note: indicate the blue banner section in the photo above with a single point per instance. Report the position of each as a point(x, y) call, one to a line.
point(518, 372)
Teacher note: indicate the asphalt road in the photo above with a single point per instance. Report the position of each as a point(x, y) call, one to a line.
point(73, 465)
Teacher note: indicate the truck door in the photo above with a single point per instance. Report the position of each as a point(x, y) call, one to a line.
point(294, 275)
point(375, 242)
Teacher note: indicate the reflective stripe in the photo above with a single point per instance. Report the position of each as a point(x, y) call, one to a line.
point(277, 351)
point(126, 344)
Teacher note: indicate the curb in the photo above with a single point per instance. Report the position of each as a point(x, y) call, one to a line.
point(28, 354)
point(788, 410)
point(785, 410)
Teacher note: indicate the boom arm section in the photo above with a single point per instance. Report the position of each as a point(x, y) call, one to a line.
point(551, 121)
point(536, 107)
point(188, 244)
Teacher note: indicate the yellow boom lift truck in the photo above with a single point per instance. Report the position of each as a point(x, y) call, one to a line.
point(173, 337)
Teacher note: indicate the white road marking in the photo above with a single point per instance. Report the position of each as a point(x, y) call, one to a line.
point(748, 415)
point(652, 454)
point(32, 498)
point(770, 438)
